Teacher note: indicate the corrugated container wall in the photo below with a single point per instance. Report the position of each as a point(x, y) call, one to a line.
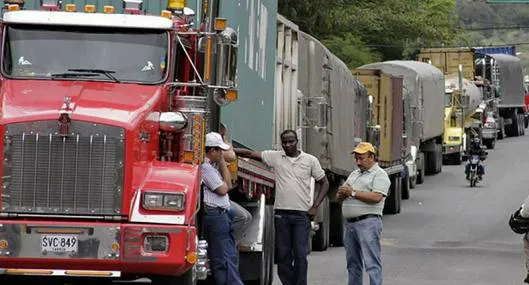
point(250, 119)
point(336, 106)
point(387, 112)
point(448, 60)
point(287, 107)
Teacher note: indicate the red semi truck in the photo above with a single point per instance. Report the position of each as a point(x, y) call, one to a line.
point(103, 117)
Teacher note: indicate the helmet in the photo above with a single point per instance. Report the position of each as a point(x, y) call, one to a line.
point(519, 224)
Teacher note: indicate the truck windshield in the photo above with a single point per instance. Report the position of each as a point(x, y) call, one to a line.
point(85, 53)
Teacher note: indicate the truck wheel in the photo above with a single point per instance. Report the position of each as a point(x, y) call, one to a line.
point(405, 187)
point(320, 241)
point(439, 156)
point(420, 168)
point(522, 124)
point(336, 221)
point(392, 205)
point(413, 182)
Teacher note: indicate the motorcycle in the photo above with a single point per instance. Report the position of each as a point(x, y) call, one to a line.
point(473, 171)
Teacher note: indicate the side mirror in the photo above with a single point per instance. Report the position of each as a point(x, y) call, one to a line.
point(413, 151)
point(227, 58)
point(173, 121)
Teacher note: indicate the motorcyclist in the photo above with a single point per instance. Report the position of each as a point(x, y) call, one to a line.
point(475, 149)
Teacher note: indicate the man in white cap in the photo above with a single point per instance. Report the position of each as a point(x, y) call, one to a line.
point(217, 224)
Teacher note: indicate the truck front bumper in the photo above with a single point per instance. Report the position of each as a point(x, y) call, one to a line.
point(99, 249)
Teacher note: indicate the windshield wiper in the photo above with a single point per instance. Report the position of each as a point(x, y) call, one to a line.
point(107, 73)
point(71, 74)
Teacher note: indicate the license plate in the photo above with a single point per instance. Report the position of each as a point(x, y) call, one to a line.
point(59, 243)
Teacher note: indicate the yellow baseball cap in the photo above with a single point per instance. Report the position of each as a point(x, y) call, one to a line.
point(364, 147)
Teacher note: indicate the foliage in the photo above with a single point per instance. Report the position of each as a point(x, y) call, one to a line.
point(360, 31)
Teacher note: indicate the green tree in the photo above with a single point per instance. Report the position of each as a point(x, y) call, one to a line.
point(361, 30)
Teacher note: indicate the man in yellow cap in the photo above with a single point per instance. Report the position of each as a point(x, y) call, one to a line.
point(363, 195)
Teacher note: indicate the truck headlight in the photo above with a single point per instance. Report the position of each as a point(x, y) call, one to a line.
point(163, 201)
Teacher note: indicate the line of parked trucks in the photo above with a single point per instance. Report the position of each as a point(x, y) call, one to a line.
point(245, 66)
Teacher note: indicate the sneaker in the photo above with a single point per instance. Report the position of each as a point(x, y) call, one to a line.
point(526, 280)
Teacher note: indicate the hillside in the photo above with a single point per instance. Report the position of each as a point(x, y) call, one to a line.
point(492, 24)
point(363, 31)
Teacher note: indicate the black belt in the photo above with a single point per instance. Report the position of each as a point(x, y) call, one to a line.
point(215, 208)
point(362, 217)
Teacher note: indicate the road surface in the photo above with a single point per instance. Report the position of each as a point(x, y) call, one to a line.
point(449, 233)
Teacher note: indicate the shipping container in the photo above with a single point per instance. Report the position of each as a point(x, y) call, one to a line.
point(448, 60)
point(387, 112)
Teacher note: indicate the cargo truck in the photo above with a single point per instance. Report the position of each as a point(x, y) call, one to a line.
point(423, 98)
point(100, 173)
point(463, 117)
point(500, 77)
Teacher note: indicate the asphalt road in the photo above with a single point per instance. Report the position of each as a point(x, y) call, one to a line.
point(449, 233)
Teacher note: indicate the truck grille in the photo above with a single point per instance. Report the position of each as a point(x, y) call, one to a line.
point(46, 173)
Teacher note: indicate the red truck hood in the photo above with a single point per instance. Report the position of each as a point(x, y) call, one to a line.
point(102, 102)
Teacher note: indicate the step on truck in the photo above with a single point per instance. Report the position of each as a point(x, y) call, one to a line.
point(103, 127)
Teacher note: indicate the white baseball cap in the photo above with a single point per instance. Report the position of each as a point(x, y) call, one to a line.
point(215, 140)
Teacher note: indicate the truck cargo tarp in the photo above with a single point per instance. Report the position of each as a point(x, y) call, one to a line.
point(511, 79)
point(424, 88)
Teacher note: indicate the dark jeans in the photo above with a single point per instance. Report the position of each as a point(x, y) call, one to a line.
point(481, 169)
point(221, 247)
point(292, 238)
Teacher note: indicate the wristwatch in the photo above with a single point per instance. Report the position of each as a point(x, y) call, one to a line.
point(353, 194)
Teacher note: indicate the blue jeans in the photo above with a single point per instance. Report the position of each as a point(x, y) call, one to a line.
point(221, 247)
point(292, 240)
point(362, 246)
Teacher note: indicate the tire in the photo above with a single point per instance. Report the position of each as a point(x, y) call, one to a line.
point(393, 201)
point(420, 168)
point(522, 124)
point(413, 182)
point(336, 221)
point(320, 241)
point(405, 182)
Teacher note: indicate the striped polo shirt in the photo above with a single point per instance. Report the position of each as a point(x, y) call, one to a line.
point(212, 180)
